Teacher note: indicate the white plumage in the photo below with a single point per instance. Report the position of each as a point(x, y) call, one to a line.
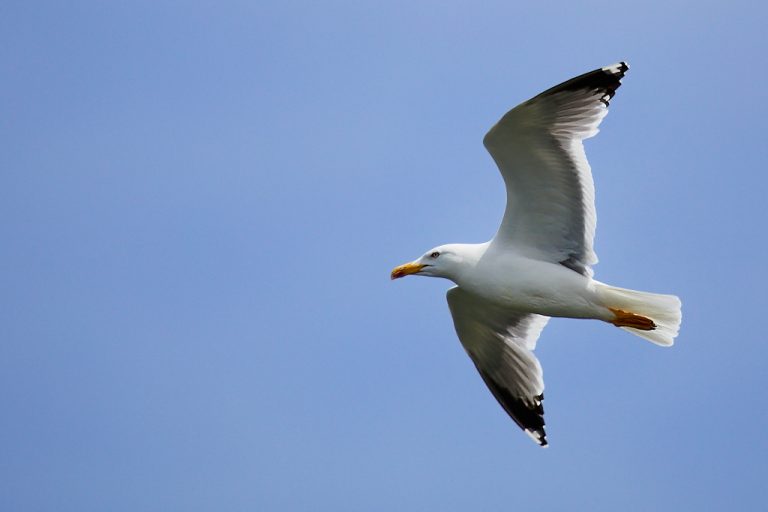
point(539, 263)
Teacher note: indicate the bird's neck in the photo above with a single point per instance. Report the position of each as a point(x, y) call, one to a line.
point(471, 254)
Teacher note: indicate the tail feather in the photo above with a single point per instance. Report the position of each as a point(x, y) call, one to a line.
point(664, 310)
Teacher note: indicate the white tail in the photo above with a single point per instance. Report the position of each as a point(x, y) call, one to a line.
point(664, 310)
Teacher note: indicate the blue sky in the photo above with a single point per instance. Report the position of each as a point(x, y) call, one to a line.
point(200, 204)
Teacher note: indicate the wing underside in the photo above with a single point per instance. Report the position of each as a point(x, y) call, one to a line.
point(500, 344)
point(538, 148)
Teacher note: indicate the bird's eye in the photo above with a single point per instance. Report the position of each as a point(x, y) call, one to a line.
point(434, 254)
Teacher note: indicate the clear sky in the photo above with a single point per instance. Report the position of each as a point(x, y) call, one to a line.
point(200, 204)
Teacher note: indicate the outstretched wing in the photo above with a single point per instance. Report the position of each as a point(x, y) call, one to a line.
point(538, 148)
point(500, 343)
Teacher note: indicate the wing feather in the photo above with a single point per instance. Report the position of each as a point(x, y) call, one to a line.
point(538, 148)
point(500, 344)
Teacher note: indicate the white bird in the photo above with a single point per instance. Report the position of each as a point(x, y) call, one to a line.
point(538, 265)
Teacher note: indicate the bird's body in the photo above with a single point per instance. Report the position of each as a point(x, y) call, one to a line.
point(518, 282)
point(539, 264)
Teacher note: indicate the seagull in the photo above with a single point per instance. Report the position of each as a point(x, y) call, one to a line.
point(538, 265)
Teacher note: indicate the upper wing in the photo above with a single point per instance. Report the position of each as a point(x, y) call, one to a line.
point(500, 342)
point(538, 147)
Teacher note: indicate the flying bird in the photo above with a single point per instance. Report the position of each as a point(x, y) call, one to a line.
point(538, 265)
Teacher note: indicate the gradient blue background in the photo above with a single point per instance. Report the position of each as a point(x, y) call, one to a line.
point(200, 204)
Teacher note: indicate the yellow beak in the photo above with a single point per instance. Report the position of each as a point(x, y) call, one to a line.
point(406, 270)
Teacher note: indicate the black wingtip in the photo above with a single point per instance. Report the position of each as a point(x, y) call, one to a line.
point(614, 73)
point(620, 68)
point(605, 80)
point(538, 435)
point(527, 413)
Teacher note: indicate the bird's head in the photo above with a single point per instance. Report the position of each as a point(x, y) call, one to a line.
point(442, 261)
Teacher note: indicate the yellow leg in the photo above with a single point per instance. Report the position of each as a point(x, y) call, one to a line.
point(627, 319)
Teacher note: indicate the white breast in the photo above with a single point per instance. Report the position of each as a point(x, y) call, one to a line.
point(532, 286)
